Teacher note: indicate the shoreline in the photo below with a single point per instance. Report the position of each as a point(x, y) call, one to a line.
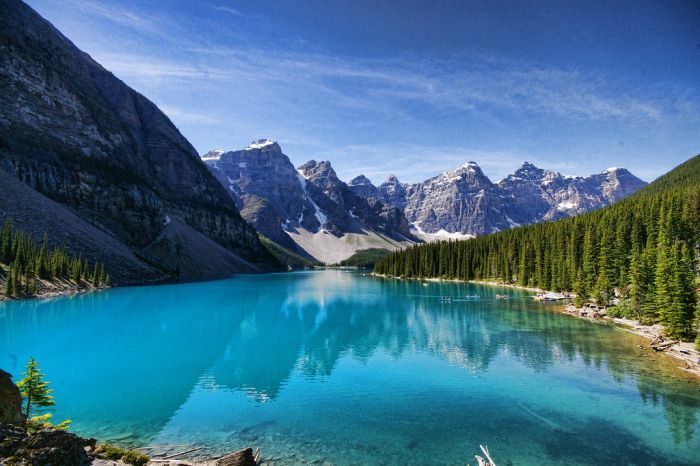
point(457, 280)
point(54, 290)
point(680, 351)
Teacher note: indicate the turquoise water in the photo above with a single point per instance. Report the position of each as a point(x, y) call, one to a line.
point(339, 368)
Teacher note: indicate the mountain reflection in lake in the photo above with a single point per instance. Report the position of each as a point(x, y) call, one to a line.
point(349, 369)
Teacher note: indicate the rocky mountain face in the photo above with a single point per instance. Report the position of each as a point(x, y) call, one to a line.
point(75, 133)
point(539, 194)
point(465, 202)
point(285, 203)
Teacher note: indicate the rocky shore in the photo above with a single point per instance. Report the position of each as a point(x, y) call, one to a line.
point(56, 447)
point(44, 447)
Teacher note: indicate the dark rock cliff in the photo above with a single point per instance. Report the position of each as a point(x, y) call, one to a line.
point(74, 132)
point(10, 401)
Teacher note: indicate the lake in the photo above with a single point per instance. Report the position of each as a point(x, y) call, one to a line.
point(341, 368)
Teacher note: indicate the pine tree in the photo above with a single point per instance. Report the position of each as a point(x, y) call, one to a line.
point(34, 389)
point(580, 290)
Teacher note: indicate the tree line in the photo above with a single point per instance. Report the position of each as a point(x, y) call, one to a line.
point(641, 253)
point(24, 265)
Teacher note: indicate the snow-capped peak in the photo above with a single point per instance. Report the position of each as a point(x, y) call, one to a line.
point(611, 170)
point(213, 154)
point(259, 144)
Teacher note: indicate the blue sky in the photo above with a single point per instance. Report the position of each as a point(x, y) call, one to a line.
point(412, 87)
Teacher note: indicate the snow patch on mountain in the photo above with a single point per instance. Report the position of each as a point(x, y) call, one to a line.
point(320, 216)
point(213, 155)
point(259, 144)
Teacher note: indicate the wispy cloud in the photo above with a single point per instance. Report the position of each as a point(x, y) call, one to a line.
point(392, 84)
point(117, 14)
point(388, 85)
point(228, 10)
point(187, 116)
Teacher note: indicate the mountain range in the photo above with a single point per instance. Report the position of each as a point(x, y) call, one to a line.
point(299, 208)
point(464, 202)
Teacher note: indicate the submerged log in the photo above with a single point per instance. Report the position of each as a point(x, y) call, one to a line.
point(174, 455)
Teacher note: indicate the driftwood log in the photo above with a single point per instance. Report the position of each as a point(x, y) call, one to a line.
point(240, 458)
point(663, 346)
point(484, 462)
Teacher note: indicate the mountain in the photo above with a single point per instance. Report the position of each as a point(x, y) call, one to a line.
point(308, 209)
point(84, 140)
point(546, 195)
point(463, 202)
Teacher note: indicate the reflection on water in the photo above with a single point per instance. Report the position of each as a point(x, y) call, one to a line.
point(337, 367)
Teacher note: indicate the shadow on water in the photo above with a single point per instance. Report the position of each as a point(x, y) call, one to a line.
point(129, 362)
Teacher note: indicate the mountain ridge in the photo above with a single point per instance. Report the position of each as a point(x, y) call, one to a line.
point(464, 201)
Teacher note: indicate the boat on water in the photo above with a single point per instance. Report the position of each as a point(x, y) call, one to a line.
point(502, 296)
point(472, 296)
point(548, 297)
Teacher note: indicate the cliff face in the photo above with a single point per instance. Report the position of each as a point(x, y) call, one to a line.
point(10, 401)
point(267, 189)
point(74, 132)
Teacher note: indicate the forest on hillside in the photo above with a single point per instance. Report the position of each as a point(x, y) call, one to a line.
point(24, 266)
point(641, 252)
